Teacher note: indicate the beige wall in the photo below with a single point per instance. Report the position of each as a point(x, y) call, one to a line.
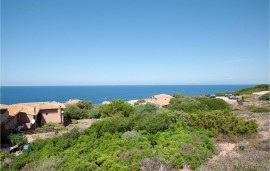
point(51, 115)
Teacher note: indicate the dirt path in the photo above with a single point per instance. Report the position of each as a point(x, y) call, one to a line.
point(226, 148)
point(261, 93)
point(232, 102)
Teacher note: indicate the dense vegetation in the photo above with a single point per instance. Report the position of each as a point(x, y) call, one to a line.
point(82, 110)
point(128, 138)
point(265, 97)
point(197, 103)
point(17, 139)
point(247, 91)
point(261, 87)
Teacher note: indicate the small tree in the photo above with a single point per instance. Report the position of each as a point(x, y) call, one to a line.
point(116, 107)
point(94, 112)
point(150, 108)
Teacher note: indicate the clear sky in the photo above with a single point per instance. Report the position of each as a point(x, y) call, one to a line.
point(147, 42)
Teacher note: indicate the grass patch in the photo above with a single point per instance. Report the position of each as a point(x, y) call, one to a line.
point(49, 127)
point(256, 109)
point(265, 97)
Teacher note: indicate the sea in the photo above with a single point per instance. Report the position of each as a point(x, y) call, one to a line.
point(98, 94)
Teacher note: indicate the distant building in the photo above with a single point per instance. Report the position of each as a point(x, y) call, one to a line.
point(30, 115)
point(161, 100)
point(106, 102)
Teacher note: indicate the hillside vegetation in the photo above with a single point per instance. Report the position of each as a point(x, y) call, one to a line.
point(257, 88)
point(133, 138)
point(247, 91)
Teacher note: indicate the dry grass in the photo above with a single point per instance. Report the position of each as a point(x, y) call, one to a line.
point(247, 161)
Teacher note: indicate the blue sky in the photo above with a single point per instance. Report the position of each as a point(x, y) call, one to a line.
point(120, 42)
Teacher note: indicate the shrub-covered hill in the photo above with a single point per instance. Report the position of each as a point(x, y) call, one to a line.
point(130, 138)
point(257, 88)
point(247, 91)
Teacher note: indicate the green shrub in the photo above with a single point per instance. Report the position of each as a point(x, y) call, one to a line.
point(18, 139)
point(131, 135)
point(265, 97)
point(154, 123)
point(215, 104)
point(177, 95)
point(116, 107)
point(193, 104)
point(74, 112)
point(222, 93)
point(51, 127)
point(256, 109)
point(111, 125)
point(179, 147)
point(150, 108)
point(85, 105)
point(140, 101)
point(222, 121)
point(94, 112)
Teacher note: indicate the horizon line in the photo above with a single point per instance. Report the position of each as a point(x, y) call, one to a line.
point(127, 85)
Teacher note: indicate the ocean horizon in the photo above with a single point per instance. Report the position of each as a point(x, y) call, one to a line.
point(98, 94)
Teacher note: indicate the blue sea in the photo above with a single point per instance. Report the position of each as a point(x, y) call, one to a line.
point(98, 94)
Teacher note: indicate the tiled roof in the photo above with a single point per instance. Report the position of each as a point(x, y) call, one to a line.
point(13, 110)
point(3, 106)
point(33, 108)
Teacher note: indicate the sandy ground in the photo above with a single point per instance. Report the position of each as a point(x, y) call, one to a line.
point(230, 101)
point(261, 92)
point(132, 102)
point(226, 148)
point(82, 124)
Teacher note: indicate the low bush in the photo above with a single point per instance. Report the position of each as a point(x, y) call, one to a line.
point(94, 112)
point(224, 122)
point(265, 97)
point(154, 123)
point(222, 93)
point(18, 139)
point(256, 109)
point(74, 121)
point(116, 107)
point(85, 105)
point(131, 135)
point(193, 104)
point(111, 125)
point(51, 127)
point(140, 101)
point(74, 112)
